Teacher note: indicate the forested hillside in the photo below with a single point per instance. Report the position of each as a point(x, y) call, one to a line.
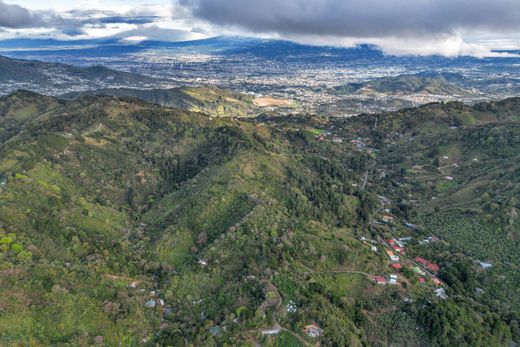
point(126, 223)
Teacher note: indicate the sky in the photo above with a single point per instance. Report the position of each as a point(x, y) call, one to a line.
point(417, 27)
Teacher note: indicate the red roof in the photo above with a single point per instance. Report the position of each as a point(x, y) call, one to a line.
point(380, 279)
point(421, 260)
point(422, 280)
point(396, 266)
point(391, 241)
point(433, 267)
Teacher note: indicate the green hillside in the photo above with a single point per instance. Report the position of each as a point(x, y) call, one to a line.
point(422, 83)
point(127, 223)
point(212, 101)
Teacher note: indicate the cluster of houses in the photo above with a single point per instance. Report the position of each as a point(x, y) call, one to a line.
point(398, 245)
point(323, 136)
point(361, 145)
point(430, 266)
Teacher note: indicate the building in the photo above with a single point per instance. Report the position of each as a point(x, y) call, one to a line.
point(417, 270)
point(388, 219)
point(379, 280)
point(396, 266)
point(485, 265)
point(394, 258)
point(434, 267)
point(422, 280)
point(392, 279)
point(150, 303)
point(441, 293)
point(421, 261)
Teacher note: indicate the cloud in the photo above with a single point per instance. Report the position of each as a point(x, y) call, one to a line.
point(360, 18)
point(401, 27)
point(14, 16)
point(156, 33)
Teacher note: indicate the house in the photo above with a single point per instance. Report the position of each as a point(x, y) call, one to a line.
point(441, 293)
point(417, 270)
point(313, 330)
point(389, 253)
point(449, 178)
point(379, 280)
point(150, 303)
point(436, 281)
point(434, 267)
point(485, 265)
point(392, 279)
point(405, 239)
point(394, 258)
point(388, 219)
point(203, 262)
point(421, 260)
point(374, 249)
point(422, 280)
point(396, 266)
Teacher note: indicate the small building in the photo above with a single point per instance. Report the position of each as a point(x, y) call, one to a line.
point(374, 249)
point(436, 281)
point(388, 219)
point(203, 262)
point(485, 265)
point(389, 253)
point(150, 303)
point(313, 330)
point(441, 293)
point(434, 267)
point(422, 280)
point(417, 270)
point(394, 258)
point(379, 280)
point(392, 279)
point(421, 260)
point(396, 266)
point(449, 178)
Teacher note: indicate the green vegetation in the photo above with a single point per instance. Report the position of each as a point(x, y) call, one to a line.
point(111, 207)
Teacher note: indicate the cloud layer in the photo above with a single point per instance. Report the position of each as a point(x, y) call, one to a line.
point(14, 16)
point(360, 18)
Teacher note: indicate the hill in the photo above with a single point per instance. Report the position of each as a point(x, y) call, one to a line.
point(53, 78)
point(423, 83)
point(123, 222)
point(213, 101)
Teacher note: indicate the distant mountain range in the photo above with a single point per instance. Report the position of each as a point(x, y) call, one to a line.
point(54, 78)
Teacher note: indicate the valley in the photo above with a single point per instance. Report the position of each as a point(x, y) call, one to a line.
point(128, 222)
